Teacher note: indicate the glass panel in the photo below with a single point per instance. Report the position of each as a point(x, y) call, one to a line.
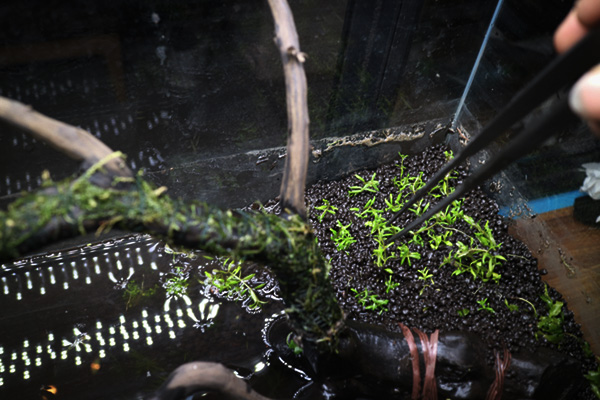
point(193, 92)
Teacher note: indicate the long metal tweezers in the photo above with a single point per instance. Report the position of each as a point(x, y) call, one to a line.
point(558, 75)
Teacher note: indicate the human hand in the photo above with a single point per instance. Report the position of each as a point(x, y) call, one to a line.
point(585, 95)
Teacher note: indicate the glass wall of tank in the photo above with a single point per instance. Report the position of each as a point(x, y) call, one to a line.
point(193, 92)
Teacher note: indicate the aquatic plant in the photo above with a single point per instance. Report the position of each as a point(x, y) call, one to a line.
point(370, 301)
point(463, 312)
point(484, 306)
point(371, 185)
point(232, 284)
point(326, 208)
point(176, 285)
point(593, 378)
point(77, 206)
point(342, 237)
point(551, 325)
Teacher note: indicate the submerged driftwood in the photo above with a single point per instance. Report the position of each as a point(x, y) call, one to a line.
point(287, 245)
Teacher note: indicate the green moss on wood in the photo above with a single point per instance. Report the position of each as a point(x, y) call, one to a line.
point(287, 245)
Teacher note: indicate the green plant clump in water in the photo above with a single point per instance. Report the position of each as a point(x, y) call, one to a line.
point(293, 345)
point(287, 245)
point(231, 283)
point(177, 284)
point(134, 293)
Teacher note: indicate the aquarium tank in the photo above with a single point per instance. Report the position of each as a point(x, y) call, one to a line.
point(193, 94)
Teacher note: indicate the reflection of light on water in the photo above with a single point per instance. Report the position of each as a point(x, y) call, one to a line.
point(143, 330)
point(259, 366)
point(94, 340)
point(5, 285)
point(265, 333)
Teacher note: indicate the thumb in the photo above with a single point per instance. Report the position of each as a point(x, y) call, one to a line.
point(584, 98)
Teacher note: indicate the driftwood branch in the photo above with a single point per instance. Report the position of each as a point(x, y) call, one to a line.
point(287, 245)
point(296, 164)
point(205, 376)
point(74, 142)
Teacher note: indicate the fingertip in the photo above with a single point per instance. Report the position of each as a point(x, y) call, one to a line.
point(584, 98)
point(569, 32)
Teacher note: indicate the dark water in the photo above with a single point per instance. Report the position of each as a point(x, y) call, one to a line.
point(71, 323)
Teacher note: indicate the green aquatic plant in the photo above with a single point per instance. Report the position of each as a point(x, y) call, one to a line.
point(463, 312)
point(342, 237)
point(511, 307)
point(389, 284)
point(326, 208)
point(135, 292)
point(405, 254)
point(293, 345)
point(419, 208)
point(371, 185)
point(484, 306)
point(231, 283)
point(380, 252)
point(424, 275)
point(287, 245)
point(367, 209)
point(416, 182)
point(479, 262)
point(177, 284)
point(593, 377)
point(370, 301)
point(550, 326)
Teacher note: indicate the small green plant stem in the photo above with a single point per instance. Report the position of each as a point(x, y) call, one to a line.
point(530, 304)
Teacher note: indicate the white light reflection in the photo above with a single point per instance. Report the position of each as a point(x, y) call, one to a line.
point(96, 266)
point(29, 282)
point(5, 285)
point(259, 366)
point(52, 277)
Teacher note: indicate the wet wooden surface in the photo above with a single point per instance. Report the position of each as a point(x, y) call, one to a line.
point(570, 252)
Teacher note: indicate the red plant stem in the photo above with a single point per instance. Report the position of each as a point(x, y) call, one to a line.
point(497, 387)
point(429, 348)
point(414, 355)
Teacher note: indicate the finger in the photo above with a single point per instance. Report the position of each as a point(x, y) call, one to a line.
point(569, 32)
point(588, 12)
point(584, 98)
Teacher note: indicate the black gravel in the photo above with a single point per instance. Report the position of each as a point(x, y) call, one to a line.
point(437, 307)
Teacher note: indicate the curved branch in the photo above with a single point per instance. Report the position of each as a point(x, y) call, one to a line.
point(198, 376)
point(296, 164)
point(288, 245)
point(74, 142)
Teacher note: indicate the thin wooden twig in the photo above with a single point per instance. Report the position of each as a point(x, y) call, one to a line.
point(296, 164)
point(73, 142)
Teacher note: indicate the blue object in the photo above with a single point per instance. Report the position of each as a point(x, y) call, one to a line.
point(550, 203)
